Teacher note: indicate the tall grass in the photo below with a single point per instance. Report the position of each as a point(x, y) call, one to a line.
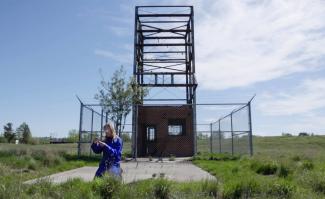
point(282, 167)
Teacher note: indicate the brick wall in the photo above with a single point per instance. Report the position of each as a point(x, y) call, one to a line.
point(165, 145)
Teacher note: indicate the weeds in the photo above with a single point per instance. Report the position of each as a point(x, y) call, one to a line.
point(280, 189)
point(241, 188)
point(212, 187)
point(264, 168)
point(161, 188)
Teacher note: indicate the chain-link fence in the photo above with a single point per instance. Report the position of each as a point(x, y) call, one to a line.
point(174, 130)
point(233, 132)
point(92, 120)
point(224, 128)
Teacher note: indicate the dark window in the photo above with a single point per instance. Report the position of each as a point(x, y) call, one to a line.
point(176, 127)
point(151, 133)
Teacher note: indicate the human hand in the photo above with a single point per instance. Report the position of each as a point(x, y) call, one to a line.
point(102, 143)
point(96, 140)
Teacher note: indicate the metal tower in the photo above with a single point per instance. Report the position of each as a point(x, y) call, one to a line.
point(164, 56)
point(164, 49)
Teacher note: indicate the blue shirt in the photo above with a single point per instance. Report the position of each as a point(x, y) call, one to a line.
point(112, 153)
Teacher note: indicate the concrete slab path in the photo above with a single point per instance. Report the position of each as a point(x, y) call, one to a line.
point(179, 170)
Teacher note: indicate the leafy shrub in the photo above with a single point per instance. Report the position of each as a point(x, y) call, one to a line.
point(41, 187)
point(32, 164)
point(3, 139)
point(296, 158)
point(241, 188)
point(235, 170)
point(161, 188)
point(317, 182)
point(307, 164)
point(33, 141)
point(107, 186)
point(216, 156)
point(126, 155)
point(52, 160)
point(211, 187)
point(283, 171)
point(38, 154)
point(265, 168)
point(280, 189)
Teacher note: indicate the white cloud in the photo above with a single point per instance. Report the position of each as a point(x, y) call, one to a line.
point(307, 97)
point(120, 31)
point(239, 43)
point(125, 58)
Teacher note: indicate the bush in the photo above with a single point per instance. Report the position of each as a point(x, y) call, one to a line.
point(266, 168)
point(307, 165)
point(283, 171)
point(126, 155)
point(280, 189)
point(211, 187)
point(52, 160)
point(241, 188)
point(161, 188)
point(107, 186)
point(32, 164)
point(33, 141)
point(216, 156)
point(38, 154)
point(3, 140)
point(235, 170)
point(296, 158)
point(41, 187)
point(317, 181)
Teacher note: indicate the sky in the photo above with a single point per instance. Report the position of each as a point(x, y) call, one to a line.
point(51, 51)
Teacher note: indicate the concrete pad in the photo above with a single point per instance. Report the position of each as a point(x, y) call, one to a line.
point(180, 170)
point(85, 173)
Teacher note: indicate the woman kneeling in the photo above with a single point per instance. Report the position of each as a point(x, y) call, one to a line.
point(112, 151)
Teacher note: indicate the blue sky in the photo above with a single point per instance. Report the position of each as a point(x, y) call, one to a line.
point(53, 50)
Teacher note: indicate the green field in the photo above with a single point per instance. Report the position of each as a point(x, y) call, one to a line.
point(282, 167)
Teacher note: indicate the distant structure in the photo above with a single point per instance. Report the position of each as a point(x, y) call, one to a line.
point(164, 59)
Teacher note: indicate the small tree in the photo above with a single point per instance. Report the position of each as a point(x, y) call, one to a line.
point(73, 135)
point(117, 96)
point(8, 132)
point(303, 134)
point(126, 137)
point(24, 131)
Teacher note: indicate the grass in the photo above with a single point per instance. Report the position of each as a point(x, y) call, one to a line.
point(282, 167)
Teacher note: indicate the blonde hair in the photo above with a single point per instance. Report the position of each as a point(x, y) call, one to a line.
point(111, 128)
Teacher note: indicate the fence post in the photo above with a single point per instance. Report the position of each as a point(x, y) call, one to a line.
point(250, 129)
point(219, 137)
point(91, 129)
point(232, 135)
point(80, 128)
point(101, 124)
point(211, 138)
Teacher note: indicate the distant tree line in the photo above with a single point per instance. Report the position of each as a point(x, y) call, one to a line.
point(22, 133)
point(301, 134)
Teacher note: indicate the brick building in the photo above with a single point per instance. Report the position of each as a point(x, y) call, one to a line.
point(165, 131)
